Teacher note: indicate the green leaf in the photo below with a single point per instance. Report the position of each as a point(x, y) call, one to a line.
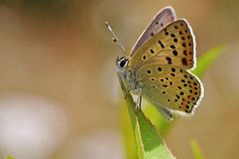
point(149, 144)
point(156, 118)
point(128, 138)
point(197, 153)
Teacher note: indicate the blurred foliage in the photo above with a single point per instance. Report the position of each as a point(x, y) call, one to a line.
point(10, 157)
point(197, 153)
point(207, 59)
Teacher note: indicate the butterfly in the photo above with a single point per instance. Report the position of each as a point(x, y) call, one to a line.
point(158, 67)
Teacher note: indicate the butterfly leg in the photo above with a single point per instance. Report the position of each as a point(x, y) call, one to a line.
point(166, 113)
point(139, 101)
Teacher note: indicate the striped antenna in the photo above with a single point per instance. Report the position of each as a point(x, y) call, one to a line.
point(115, 39)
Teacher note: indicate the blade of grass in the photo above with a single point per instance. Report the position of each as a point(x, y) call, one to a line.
point(197, 153)
point(128, 138)
point(149, 145)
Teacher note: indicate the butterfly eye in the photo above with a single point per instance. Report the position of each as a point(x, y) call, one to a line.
point(123, 62)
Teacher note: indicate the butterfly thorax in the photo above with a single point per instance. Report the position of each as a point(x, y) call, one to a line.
point(129, 76)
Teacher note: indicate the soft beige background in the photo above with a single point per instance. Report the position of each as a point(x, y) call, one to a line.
point(59, 96)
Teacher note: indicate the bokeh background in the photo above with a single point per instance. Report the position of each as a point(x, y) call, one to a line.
point(59, 95)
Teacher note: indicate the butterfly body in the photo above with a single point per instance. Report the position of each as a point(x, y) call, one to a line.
point(158, 67)
point(130, 78)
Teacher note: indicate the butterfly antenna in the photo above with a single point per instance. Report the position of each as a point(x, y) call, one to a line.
point(115, 39)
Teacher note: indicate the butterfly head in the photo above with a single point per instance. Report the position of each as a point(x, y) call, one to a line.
point(121, 62)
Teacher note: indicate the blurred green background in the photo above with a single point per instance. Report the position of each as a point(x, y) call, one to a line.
point(59, 94)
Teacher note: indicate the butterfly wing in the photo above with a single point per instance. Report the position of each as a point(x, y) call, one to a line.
point(174, 45)
point(170, 87)
point(163, 18)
